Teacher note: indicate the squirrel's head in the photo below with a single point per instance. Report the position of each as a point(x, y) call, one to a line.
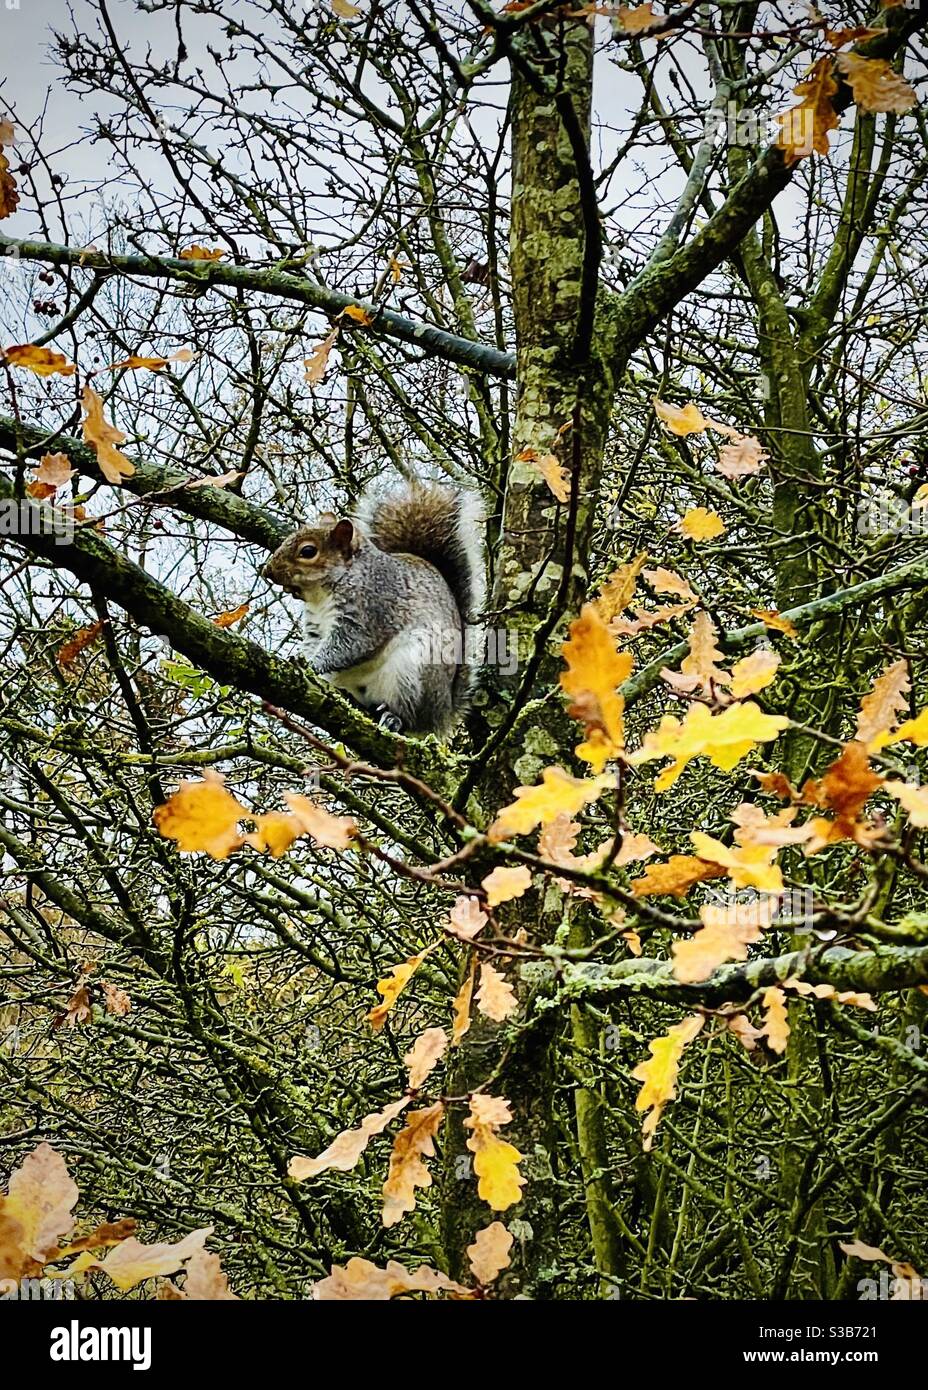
point(314, 555)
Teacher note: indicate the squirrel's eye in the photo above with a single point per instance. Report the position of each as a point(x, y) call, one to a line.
point(309, 552)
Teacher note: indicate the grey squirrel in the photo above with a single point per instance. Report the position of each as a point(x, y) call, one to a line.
point(390, 596)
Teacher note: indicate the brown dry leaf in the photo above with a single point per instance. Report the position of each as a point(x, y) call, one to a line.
point(396, 269)
point(117, 1000)
point(503, 884)
point(698, 670)
point(362, 1281)
point(744, 456)
point(744, 1031)
point(461, 1006)
point(619, 589)
point(676, 877)
point(79, 1008)
point(557, 794)
point(334, 832)
point(40, 360)
point(659, 1073)
point(467, 917)
point(776, 1022)
point(753, 673)
point(103, 438)
point(234, 616)
point(594, 670)
point(874, 84)
point(205, 1280)
point(857, 34)
point(132, 1262)
point(489, 1254)
point(701, 524)
point(646, 618)
point(424, 1055)
point(407, 1171)
point(495, 997)
point(805, 127)
point(219, 480)
point(346, 1148)
point(196, 252)
point(727, 932)
point(496, 1162)
point(664, 581)
point(638, 19)
point(771, 618)
point(150, 364)
point(881, 709)
point(392, 986)
point(53, 472)
point(71, 650)
point(36, 1212)
point(318, 360)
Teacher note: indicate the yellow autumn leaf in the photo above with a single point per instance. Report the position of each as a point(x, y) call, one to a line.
point(728, 930)
point(40, 360)
point(681, 420)
point(698, 669)
point(548, 467)
point(496, 1162)
point(776, 1022)
point(407, 1170)
point(912, 731)
point(557, 794)
point(724, 738)
point(619, 589)
point(392, 986)
point(461, 1006)
point(357, 314)
point(346, 1148)
point(594, 670)
point(505, 883)
point(913, 800)
point(334, 832)
point(749, 866)
point(489, 1254)
point(659, 1073)
point(361, 1281)
point(150, 364)
point(771, 618)
point(131, 1262)
point(344, 9)
point(202, 816)
point(196, 252)
point(701, 524)
point(676, 877)
point(754, 673)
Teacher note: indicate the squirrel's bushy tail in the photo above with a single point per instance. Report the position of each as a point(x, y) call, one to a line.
point(444, 526)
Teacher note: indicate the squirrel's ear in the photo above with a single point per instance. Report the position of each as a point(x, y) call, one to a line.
point(342, 536)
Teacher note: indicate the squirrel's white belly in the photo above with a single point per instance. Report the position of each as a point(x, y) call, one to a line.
point(380, 680)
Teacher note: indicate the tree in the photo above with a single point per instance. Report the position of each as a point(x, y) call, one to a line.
point(708, 281)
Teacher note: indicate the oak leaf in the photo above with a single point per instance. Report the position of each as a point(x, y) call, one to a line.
point(40, 360)
point(71, 650)
point(346, 1148)
point(723, 738)
point(754, 673)
point(318, 360)
point(676, 877)
point(461, 1006)
point(495, 997)
point(557, 794)
point(360, 1280)
point(804, 128)
point(392, 986)
point(35, 1212)
point(776, 1022)
point(196, 252)
point(407, 1171)
point(102, 436)
point(424, 1055)
point(875, 85)
point(594, 670)
point(496, 1162)
point(880, 710)
point(502, 884)
point(659, 1073)
point(701, 524)
point(489, 1254)
point(131, 1262)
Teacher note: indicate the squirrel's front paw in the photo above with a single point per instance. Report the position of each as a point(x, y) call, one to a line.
point(388, 720)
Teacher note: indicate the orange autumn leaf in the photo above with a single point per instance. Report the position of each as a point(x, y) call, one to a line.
point(151, 364)
point(82, 639)
point(771, 618)
point(676, 877)
point(196, 252)
point(357, 314)
point(235, 616)
point(594, 671)
point(202, 816)
point(333, 832)
point(659, 1073)
point(846, 786)
point(53, 472)
point(407, 1170)
point(40, 360)
point(804, 128)
point(346, 1148)
point(548, 467)
point(103, 437)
